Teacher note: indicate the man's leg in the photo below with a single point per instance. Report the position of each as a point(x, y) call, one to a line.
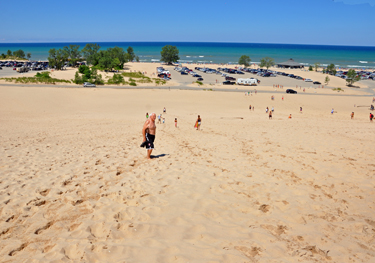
point(149, 154)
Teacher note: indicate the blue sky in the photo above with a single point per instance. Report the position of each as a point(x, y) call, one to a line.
point(329, 22)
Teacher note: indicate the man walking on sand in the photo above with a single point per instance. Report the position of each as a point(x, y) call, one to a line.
point(148, 132)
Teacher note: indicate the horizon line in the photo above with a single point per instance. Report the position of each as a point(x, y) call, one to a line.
point(227, 42)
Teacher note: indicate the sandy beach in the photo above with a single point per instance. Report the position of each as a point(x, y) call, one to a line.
point(76, 187)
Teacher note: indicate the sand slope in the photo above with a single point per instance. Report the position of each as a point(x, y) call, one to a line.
point(75, 185)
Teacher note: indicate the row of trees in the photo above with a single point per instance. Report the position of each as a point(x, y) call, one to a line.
point(20, 54)
point(112, 58)
point(266, 62)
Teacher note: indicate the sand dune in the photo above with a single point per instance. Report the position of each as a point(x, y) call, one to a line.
point(76, 187)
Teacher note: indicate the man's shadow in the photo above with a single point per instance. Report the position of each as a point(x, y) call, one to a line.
point(158, 156)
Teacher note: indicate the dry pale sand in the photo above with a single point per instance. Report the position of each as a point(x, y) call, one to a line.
point(75, 185)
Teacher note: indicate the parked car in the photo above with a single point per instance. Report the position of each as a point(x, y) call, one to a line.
point(88, 84)
point(197, 76)
point(183, 73)
point(239, 72)
point(227, 82)
point(317, 82)
point(291, 91)
point(308, 80)
point(229, 78)
point(199, 79)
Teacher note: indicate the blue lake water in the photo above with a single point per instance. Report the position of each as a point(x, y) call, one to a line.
point(341, 56)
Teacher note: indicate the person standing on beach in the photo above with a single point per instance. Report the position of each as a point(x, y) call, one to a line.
point(371, 116)
point(147, 115)
point(175, 122)
point(198, 123)
point(270, 115)
point(164, 110)
point(148, 132)
point(352, 115)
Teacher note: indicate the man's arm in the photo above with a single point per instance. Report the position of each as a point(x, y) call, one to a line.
point(145, 126)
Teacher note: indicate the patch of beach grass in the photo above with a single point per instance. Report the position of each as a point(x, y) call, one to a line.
point(160, 81)
point(40, 77)
point(338, 89)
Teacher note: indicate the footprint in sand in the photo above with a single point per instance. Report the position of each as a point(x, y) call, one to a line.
point(264, 208)
point(15, 251)
point(249, 252)
point(40, 230)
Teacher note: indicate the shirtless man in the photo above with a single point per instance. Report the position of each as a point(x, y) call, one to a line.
point(148, 132)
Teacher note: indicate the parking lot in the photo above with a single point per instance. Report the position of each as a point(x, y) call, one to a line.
point(216, 79)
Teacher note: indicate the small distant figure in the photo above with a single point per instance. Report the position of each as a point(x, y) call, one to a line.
point(290, 116)
point(332, 111)
point(147, 115)
point(250, 107)
point(304, 90)
point(282, 98)
point(164, 110)
point(373, 99)
point(159, 118)
point(253, 108)
point(273, 109)
point(198, 123)
point(175, 122)
point(300, 109)
point(267, 110)
point(371, 116)
point(163, 120)
point(270, 115)
point(372, 107)
point(272, 97)
point(352, 115)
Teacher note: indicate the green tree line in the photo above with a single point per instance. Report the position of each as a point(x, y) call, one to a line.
point(18, 54)
point(109, 59)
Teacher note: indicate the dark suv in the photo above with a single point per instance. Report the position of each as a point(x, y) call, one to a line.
point(291, 91)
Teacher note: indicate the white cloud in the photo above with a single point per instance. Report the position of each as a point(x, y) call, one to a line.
point(357, 2)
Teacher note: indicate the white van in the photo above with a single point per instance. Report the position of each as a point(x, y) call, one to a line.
point(247, 82)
